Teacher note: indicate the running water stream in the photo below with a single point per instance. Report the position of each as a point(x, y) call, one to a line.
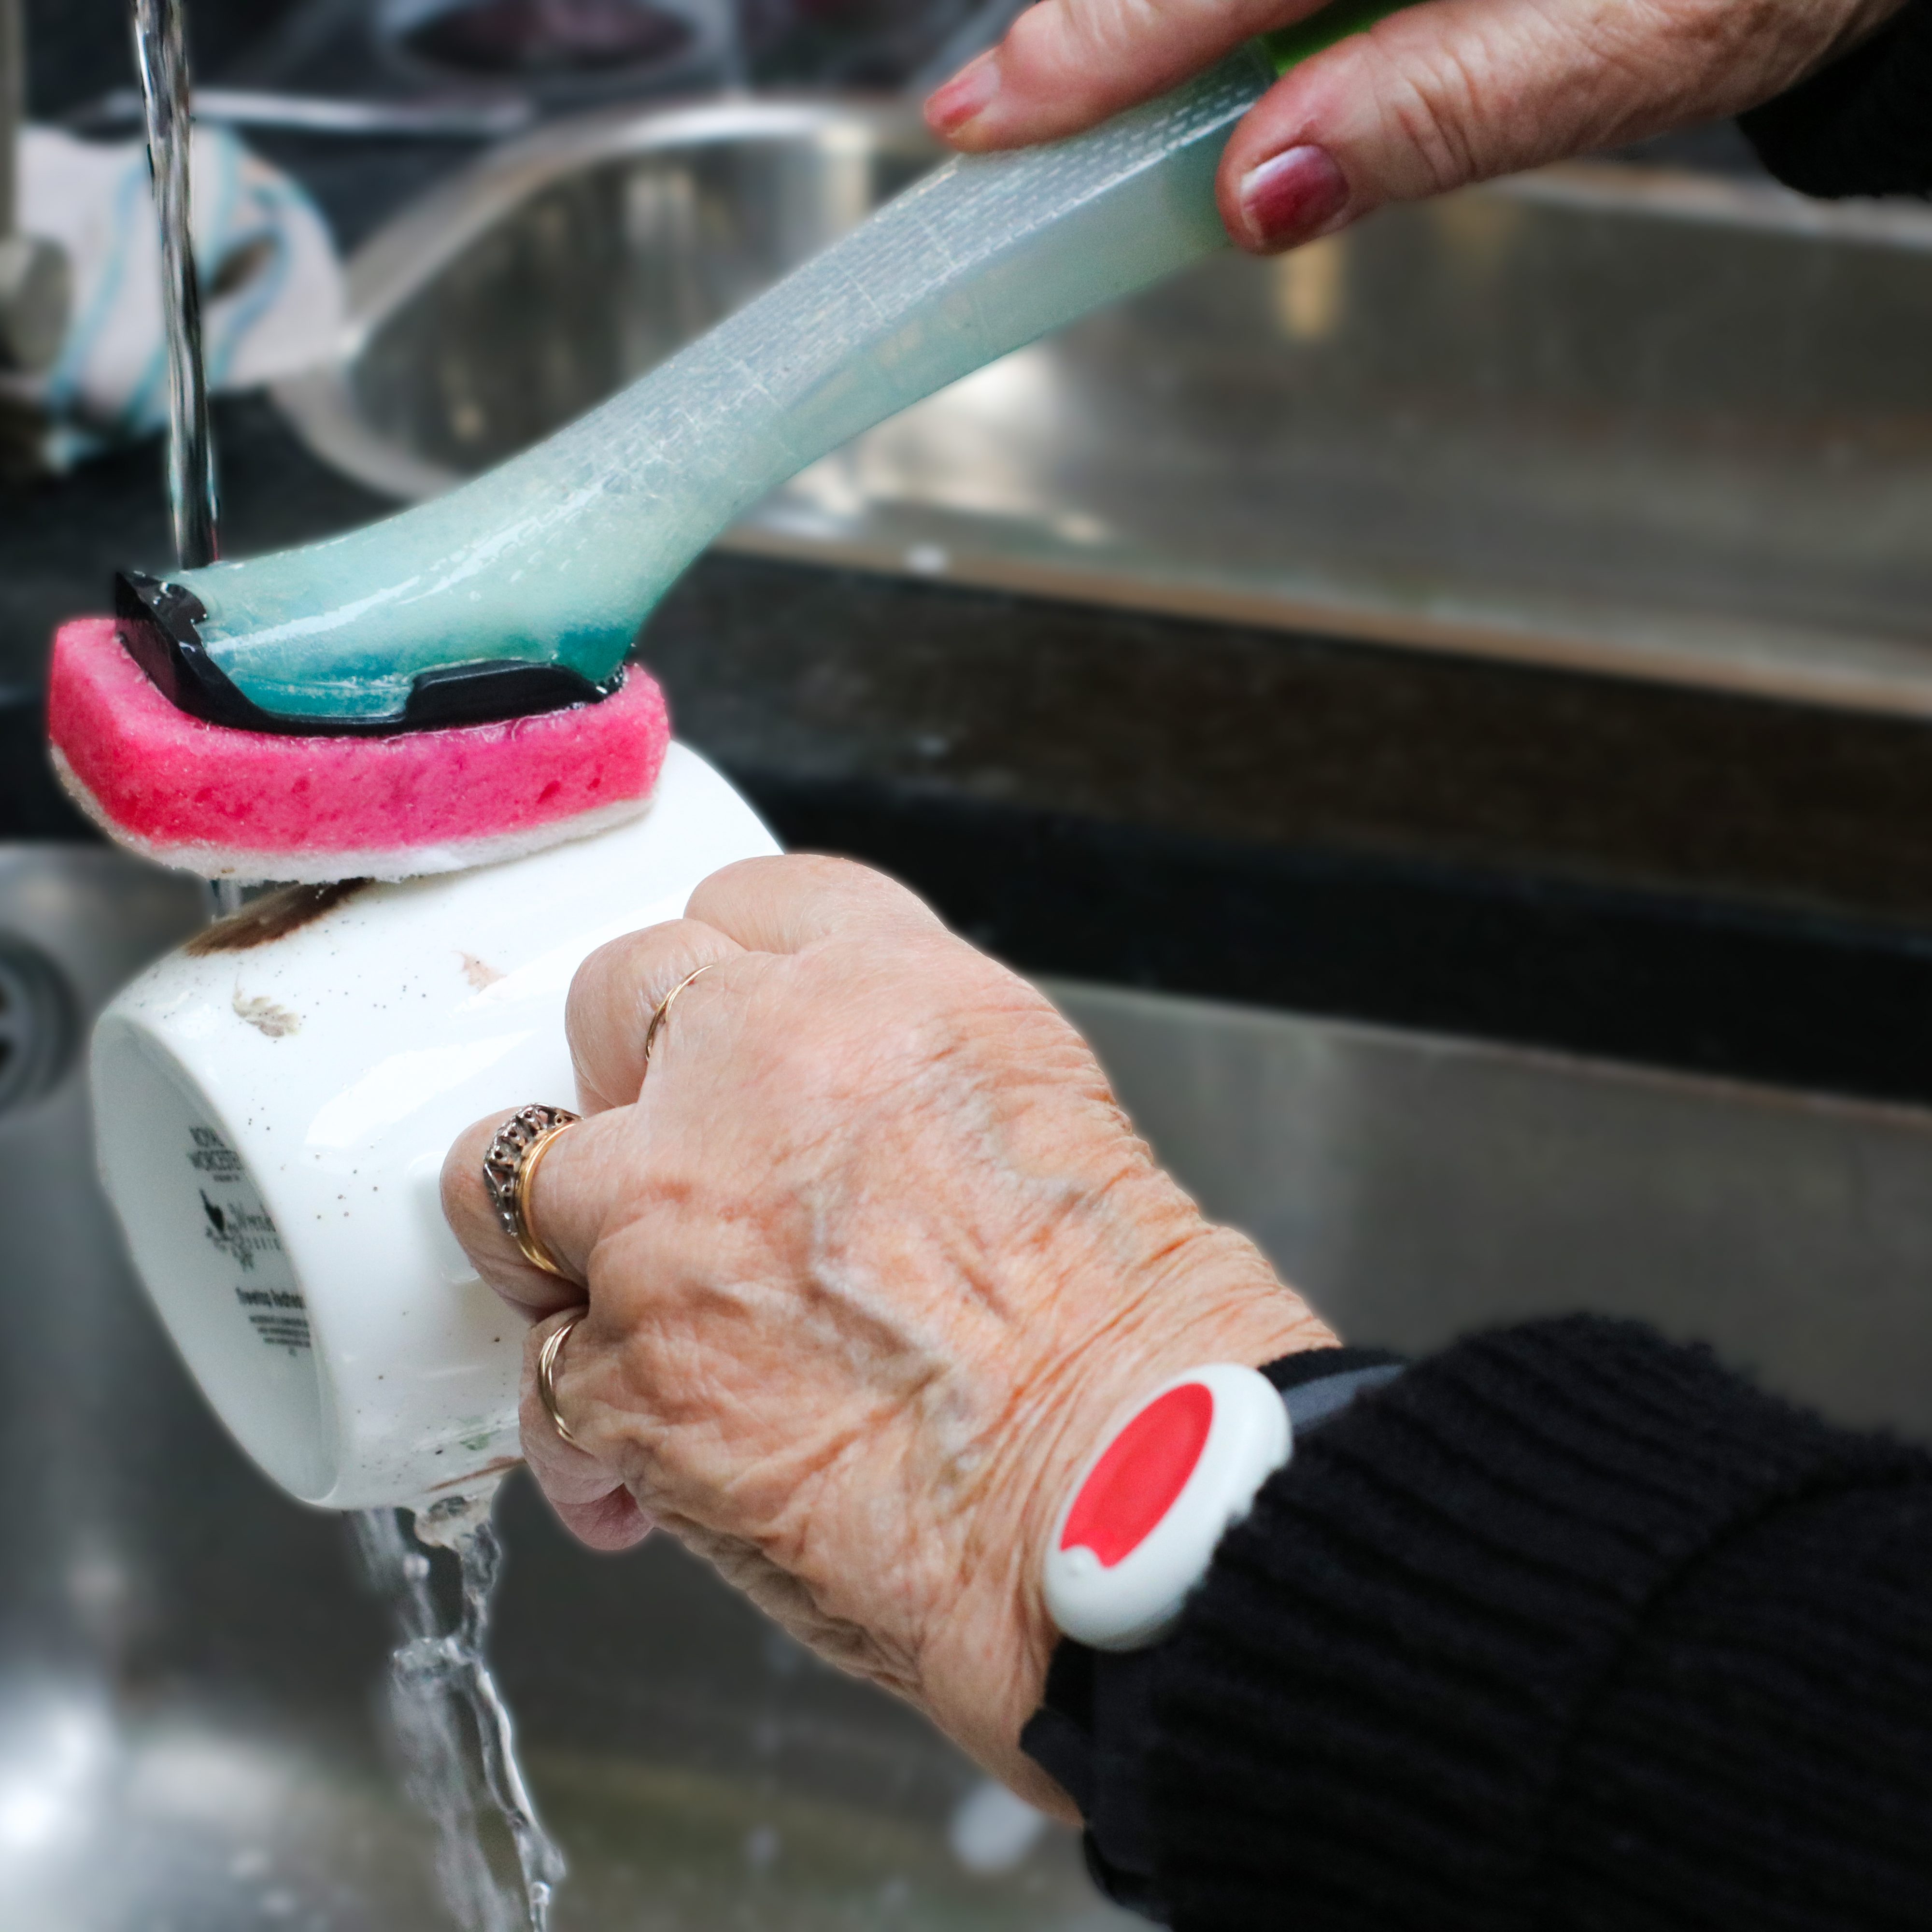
point(160, 55)
point(440, 1675)
point(161, 52)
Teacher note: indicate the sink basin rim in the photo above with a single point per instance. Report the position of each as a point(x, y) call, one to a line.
point(407, 253)
point(1838, 660)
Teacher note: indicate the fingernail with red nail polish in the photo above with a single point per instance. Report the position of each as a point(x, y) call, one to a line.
point(950, 107)
point(1286, 198)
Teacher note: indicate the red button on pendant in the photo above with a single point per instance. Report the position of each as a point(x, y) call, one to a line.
point(1146, 1466)
point(1139, 1531)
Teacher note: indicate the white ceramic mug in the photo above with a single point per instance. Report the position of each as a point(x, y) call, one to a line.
point(272, 1117)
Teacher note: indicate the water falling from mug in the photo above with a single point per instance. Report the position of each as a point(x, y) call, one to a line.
point(438, 1674)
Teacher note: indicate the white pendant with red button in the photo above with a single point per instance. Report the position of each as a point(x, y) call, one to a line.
point(1140, 1528)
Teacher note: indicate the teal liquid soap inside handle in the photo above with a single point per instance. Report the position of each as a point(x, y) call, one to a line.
point(549, 563)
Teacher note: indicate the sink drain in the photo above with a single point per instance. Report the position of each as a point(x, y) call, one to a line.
point(38, 1029)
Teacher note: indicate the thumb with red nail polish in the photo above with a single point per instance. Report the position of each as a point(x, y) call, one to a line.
point(949, 108)
point(1292, 196)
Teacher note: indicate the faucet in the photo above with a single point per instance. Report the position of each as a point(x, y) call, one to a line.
point(34, 291)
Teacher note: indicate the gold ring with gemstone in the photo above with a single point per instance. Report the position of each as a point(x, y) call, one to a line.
point(510, 1168)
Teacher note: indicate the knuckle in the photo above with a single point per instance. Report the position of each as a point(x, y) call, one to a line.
point(824, 875)
point(624, 968)
point(887, 899)
point(592, 985)
point(718, 887)
point(1050, 41)
point(1438, 110)
point(464, 1205)
point(1063, 52)
point(1033, 44)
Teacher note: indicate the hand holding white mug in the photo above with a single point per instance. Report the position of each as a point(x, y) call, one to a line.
point(1432, 97)
point(872, 1258)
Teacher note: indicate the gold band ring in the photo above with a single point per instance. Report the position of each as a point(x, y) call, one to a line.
point(509, 1168)
point(663, 1011)
point(553, 1347)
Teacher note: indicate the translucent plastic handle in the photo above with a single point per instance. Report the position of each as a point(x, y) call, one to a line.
point(557, 556)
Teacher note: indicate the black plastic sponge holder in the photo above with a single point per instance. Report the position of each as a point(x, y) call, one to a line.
point(156, 621)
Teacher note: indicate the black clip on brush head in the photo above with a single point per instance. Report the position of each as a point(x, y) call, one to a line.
point(156, 622)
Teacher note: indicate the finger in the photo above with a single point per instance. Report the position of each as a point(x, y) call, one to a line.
point(588, 1495)
point(616, 991)
point(782, 905)
point(1066, 64)
point(566, 1204)
point(1459, 91)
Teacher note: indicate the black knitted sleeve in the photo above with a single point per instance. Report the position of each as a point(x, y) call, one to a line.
point(1566, 1628)
point(1862, 125)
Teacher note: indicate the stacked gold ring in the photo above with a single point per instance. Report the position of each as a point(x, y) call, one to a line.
point(510, 1170)
point(553, 1347)
point(662, 1011)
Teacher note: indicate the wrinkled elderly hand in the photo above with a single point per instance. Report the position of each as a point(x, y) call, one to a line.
point(872, 1260)
point(1441, 94)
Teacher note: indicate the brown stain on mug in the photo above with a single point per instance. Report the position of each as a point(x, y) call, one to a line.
point(273, 916)
point(501, 1465)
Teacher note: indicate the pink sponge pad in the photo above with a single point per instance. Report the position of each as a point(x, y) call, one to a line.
point(228, 804)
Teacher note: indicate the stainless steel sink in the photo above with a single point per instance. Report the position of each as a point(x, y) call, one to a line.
point(189, 1667)
point(1417, 1188)
point(189, 1740)
point(1627, 420)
